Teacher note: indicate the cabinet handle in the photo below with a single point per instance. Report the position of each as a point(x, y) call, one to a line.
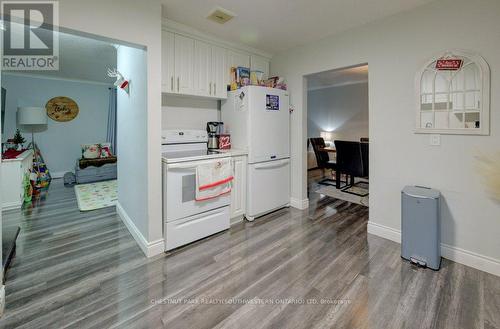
point(177, 84)
point(210, 88)
point(215, 88)
point(172, 83)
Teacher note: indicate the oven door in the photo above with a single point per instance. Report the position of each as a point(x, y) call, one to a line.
point(179, 189)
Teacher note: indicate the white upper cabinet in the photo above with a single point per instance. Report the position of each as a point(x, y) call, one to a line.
point(184, 65)
point(259, 63)
point(220, 72)
point(210, 70)
point(236, 59)
point(195, 66)
point(203, 68)
point(168, 62)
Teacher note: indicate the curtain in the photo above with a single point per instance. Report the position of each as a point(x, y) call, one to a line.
point(111, 132)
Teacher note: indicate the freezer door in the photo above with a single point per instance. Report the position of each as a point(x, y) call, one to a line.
point(269, 124)
point(268, 186)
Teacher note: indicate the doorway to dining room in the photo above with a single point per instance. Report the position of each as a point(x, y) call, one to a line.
point(338, 134)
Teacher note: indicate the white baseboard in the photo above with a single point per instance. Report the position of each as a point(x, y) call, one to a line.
point(150, 249)
point(236, 220)
point(459, 255)
point(472, 259)
point(11, 205)
point(384, 232)
point(59, 174)
point(299, 204)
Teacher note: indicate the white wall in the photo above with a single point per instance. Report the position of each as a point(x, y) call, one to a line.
point(132, 136)
point(60, 141)
point(342, 110)
point(395, 48)
point(188, 112)
point(137, 22)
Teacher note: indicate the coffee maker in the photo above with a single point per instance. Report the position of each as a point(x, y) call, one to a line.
point(214, 129)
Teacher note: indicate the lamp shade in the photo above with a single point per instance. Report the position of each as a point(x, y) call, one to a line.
point(327, 135)
point(31, 116)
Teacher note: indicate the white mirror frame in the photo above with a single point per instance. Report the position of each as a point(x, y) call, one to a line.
point(484, 96)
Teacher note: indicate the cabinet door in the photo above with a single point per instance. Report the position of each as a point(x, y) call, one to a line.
point(260, 63)
point(203, 82)
point(238, 192)
point(168, 62)
point(184, 65)
point(220, 72)
point(235, 59)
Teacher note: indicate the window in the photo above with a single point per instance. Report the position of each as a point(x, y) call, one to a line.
point(453, 95)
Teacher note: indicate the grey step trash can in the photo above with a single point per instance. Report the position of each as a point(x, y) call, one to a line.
point(420, 226)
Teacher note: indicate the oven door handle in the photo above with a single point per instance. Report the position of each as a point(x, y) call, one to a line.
point(182, 165)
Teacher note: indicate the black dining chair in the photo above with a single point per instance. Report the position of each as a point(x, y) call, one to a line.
point(323, 160)
point(365, 146)
point(350, 162)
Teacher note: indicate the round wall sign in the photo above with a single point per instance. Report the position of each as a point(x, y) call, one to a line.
point(62, 109)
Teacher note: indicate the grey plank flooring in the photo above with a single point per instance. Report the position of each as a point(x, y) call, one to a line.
point(291, 269)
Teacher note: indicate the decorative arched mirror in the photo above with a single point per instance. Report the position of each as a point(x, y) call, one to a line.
point(454, 95)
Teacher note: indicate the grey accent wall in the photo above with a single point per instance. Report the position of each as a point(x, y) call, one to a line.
point(132, 140)
point(60, 141)
point(341, 109)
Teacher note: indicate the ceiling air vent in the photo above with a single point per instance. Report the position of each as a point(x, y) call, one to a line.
point(220, 15)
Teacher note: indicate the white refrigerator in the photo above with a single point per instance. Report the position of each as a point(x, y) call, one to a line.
point(258, 120)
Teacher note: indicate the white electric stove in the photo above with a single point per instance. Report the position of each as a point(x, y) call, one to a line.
point(185, 219)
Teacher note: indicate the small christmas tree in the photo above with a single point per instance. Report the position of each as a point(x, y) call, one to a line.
point(18, 138)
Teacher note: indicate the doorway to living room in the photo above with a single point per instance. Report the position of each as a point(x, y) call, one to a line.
point(79, 154)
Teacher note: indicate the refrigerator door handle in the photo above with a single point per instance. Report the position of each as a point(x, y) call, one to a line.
point(273, 164)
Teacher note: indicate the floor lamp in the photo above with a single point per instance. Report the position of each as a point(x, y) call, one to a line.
point(32, 118)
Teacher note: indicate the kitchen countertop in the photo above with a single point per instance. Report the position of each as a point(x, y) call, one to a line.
point(173, 157)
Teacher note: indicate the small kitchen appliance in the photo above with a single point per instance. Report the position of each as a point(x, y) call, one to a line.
point(214, 130)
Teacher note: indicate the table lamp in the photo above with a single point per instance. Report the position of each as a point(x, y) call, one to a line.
point(31, 117)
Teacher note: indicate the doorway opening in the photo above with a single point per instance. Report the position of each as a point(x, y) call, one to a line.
point(337, 134)
point(78, 155)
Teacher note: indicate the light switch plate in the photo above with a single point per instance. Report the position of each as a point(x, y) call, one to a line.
point(435, 140)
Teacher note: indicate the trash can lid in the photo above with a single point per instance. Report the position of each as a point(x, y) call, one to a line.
point(421, 192)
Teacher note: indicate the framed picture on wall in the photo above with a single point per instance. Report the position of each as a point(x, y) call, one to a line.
point(62, 109)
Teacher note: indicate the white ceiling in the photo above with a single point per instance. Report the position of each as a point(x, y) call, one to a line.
point(81, 58)
point(277, 25)
point(335, 78)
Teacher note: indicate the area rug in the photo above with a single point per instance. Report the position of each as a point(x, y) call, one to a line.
point(96, 195)
point(332, 192)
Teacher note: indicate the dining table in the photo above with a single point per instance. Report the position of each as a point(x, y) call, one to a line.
point(329, 149)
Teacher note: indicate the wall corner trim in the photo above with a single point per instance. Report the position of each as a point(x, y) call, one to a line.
point(299, 204)
point(459, 255)
point(149, 249)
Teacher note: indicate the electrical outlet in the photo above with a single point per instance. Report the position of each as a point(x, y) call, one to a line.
point(435, 140)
